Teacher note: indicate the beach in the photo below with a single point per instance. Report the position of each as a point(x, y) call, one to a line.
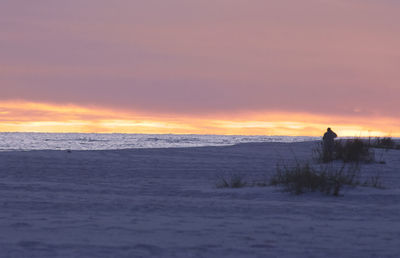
point(166, 203)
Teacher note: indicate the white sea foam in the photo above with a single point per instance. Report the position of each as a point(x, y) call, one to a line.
point(79, 141)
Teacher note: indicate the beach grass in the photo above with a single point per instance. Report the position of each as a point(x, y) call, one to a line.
point(303, 177)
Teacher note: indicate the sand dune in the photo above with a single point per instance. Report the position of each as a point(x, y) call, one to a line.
point(164, 203)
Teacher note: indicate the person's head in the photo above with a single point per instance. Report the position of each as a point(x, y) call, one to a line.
point(329, 129)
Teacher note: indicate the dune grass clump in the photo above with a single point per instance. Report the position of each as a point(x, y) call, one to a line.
point(353, 150)
point(303, 178)
point(384, 143)
point(233, 181)
point(349, 150)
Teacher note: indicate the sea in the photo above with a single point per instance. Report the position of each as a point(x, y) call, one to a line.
point(98, 141)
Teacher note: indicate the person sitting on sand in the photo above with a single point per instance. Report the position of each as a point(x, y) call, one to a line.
point(328, 144)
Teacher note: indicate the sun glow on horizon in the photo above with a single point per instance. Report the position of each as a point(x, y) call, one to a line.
point(24, 116)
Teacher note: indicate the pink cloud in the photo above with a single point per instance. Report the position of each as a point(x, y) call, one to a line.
point(325, 57)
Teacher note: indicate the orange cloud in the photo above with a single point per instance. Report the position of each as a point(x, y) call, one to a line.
point(23, 116)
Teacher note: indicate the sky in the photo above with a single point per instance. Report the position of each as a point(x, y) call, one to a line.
point(279, 67)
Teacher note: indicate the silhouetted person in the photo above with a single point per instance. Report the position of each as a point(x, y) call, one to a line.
point(328, 144)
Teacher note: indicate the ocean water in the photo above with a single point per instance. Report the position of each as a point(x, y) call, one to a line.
point(80, 141)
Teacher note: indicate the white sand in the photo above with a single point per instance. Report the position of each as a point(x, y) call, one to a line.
point(164, 203)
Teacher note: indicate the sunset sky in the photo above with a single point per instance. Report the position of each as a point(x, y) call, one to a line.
point(275, 67)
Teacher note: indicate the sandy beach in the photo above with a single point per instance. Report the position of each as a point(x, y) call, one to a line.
point(165, 203)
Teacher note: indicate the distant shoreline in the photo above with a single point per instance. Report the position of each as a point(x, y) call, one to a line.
point(69, 141)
